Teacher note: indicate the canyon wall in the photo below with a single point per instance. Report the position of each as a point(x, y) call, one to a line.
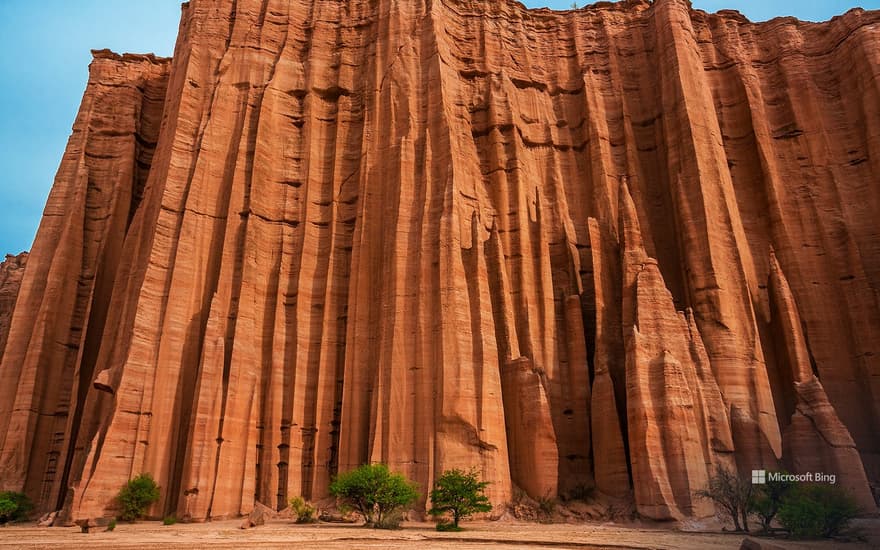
point(613, 247)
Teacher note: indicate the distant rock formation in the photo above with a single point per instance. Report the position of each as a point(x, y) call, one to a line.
point(605, 248)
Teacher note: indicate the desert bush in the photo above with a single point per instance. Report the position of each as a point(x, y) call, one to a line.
point(767, 500)
point(305, 512)
point(136, 496)
point(459, 494)
point(169, 520)
point(375, 492)
point(111, 525)
point(814, 511)
point(14, 506)
point(546, 507)
point(732, 496)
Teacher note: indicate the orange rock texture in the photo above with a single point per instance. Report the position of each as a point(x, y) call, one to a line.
point(610, 247)
point(11, 273)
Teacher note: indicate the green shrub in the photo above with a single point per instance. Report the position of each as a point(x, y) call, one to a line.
point(305, 512)
point(767, 500)
point(814, 511)
point(375, 492)
point(169, 520)
point(459, 494)
point(7, 510)
point(14, 506)
point(136, 496)
point(448, 526)
point(112, 525)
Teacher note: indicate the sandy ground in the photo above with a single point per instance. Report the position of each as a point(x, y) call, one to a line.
point(479, 535)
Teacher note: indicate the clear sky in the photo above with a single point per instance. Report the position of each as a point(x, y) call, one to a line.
point(44, 55)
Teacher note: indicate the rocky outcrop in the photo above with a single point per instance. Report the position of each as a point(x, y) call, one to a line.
point(11, 273)
point(454, 234)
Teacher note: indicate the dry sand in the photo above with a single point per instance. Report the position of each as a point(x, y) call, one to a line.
point(479, 535)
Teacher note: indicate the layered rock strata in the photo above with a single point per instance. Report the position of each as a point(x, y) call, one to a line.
point(454, 233)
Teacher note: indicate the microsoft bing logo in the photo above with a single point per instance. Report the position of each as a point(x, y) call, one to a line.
point(759, 477)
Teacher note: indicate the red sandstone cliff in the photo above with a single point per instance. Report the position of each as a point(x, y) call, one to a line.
point(11, 273)
point(452, 233)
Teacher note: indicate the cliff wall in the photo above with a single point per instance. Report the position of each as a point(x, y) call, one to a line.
point(608, 247)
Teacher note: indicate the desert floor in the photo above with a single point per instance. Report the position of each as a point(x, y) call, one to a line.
point(479, 535)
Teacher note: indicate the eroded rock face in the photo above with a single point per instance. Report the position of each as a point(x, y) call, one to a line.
point(67, 294)
point(815, 437)
point(453, 234)
point(11, 273)
point(678, 425)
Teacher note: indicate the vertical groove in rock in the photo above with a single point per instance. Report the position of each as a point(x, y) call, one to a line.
point(448, 234)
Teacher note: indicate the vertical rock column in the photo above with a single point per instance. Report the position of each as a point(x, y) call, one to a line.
point(673, 432)
point(815, 440)
point(55, 334)
point(530, 435)
point(11, 274)
point(154, 335)
point(718, 263)
point(610, 459)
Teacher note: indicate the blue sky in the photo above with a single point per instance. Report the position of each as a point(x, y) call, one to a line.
point(44, 57)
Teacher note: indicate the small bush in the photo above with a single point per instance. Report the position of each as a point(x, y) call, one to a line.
point(305, 512)
point(112, 525)
point(447, 526)
point(814, 511)
point(732, 496)
point(546, 509)
point(459, 494)
point(169, 520)
point(375, 492)
point(390, 520)
point(547, 505)
point(767, 500)
point(14, 506)
point(136, 496)
point(7, 510)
